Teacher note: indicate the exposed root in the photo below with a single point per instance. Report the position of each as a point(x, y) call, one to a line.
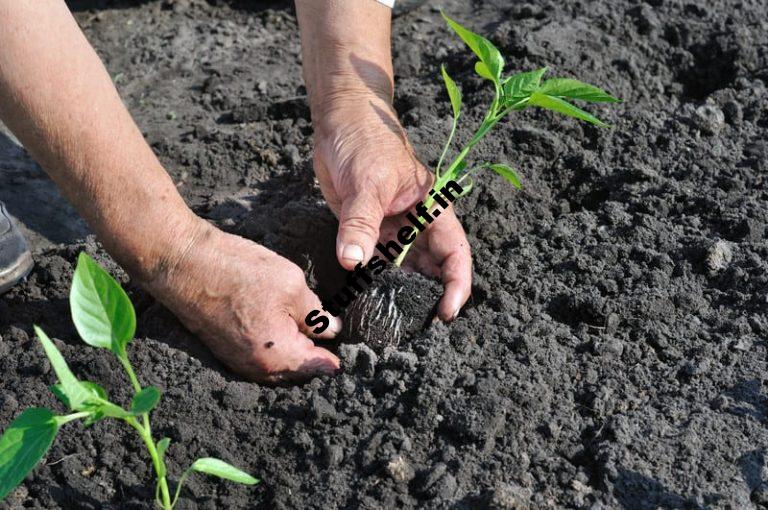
point(378, 318)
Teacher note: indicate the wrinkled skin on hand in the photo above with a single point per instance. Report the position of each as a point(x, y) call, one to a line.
point(248, 305)
point(371, 178)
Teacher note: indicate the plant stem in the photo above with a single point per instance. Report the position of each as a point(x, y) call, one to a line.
point(136, 386)
point(61, 420)
point(145, 432)
point(428, 201)
point(447, 146)
point(157, 463)
point(492, 117)
point(123, 357)
point(178, 487)
point(490, 120)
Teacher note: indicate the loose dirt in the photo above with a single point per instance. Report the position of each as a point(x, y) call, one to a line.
point(613, 353)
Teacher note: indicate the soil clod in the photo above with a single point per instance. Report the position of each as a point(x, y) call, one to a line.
point(397, 306)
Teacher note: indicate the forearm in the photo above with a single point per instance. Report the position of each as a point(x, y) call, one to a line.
point(346, 49)
point(58, 99)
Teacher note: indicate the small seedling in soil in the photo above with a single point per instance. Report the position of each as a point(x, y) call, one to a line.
point(389, 324)
point(105, 318)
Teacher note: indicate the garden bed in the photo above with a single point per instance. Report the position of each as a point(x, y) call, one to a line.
point(613, 353)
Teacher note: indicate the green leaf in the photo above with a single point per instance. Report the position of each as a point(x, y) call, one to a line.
point(102, 313)
point(145, 400)
point(221, 469)
point(453, 171)
point(162, 447)
point(23, 444)
point(558, 105)
point(520, 86)
point(71, 388)
point(482, 70)
point(488, 53)
point(108, 410)
point(98, 410)
point(453, 92)
point(575, 89)
point(94, 417)
point(508, 174)
point(94, 388)
point(96, 402)
point(58, 392)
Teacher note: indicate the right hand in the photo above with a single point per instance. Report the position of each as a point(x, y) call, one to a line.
point(248, 305)
point(371, 178)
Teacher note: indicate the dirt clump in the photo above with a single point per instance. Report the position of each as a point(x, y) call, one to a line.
point(396, 307)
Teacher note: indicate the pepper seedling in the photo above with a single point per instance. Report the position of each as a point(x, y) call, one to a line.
point(512, 93)
point(104, 317)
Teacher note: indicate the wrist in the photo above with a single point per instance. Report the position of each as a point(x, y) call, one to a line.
point(351, 113)
point(168, 273)
point(346, 50)
point(150, 241)
point(170, 247)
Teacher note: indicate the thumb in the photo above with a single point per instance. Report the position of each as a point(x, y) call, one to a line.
point(359, 223)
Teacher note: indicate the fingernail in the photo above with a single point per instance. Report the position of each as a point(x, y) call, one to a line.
point(455, 314)
point(353, 253)
point(319, 366)
point(335, 325)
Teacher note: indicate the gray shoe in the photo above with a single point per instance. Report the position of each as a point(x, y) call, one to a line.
point(15, 258)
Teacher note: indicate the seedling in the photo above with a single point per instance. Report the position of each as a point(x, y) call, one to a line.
point(105, 318)
point(512, 93)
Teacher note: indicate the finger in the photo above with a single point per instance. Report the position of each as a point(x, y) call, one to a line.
point(413, 187)
point(312, 318)
point(457, 279)
point(326, 184)
point(449, 245)
point(291, 356)
point(359, 223)
point(311, 360)
point(421, 260)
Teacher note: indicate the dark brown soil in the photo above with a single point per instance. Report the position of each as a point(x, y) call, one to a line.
point(394, 309)
point(613, 353)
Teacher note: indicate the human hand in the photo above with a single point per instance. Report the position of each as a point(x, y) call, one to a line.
point(366, 168)
point(248, 305)
point(371, 178)
point(245, 302)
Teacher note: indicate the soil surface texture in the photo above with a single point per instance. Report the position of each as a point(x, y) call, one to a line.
point(613, 353)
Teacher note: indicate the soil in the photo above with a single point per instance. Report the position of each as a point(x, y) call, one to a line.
point(396, 307)
point(613, 353)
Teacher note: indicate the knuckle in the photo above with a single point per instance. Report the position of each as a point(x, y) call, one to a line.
point(294, 276)
point(360, 224)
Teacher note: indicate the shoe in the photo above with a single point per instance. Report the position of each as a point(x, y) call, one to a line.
point(15, 258)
